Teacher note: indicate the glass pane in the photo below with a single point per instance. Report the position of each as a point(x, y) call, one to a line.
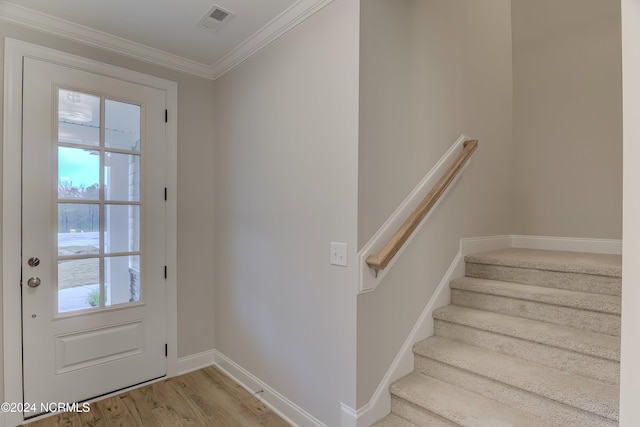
point(122, 228)
point(78, 229)
point(122, 279)
point(78, 118)
point(78, 284)
point(122, 177)
point(78, 173)
point(122, 125)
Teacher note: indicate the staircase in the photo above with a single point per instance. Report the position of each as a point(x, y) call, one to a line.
point(531, 338)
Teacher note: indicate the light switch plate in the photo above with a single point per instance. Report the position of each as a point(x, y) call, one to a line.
point(339, 254)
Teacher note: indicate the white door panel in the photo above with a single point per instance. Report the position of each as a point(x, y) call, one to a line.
point(94, 159)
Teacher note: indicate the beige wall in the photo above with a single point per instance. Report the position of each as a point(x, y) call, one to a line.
point(430, 71)
point(388, 114)
point(195, 180)
point(567, 118)
point(288, 167)
point(286, 175)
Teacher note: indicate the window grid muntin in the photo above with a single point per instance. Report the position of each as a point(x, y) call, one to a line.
point(103, 150)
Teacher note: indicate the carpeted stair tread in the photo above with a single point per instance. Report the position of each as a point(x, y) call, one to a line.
point(462, 407)
point(581, 300)
point(562, 261)
point(531, 338)
point(574, 390)
point(565, 337)
point(607, 371)
point(393, 420)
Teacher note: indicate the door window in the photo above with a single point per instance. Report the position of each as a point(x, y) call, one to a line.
point(99, 208)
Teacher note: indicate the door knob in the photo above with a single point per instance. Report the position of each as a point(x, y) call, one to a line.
point(34, 282)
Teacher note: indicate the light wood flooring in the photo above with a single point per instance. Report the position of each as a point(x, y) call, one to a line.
point(206, 397)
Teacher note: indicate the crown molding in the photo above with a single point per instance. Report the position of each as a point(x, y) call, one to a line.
point(283, 23)
point(59, 27)
point(279, 26)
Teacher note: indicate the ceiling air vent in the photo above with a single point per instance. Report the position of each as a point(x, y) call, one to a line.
point(215, 17)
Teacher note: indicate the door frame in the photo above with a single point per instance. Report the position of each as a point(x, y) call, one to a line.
point(15, 51)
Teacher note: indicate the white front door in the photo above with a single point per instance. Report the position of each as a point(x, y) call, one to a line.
point(93, 234)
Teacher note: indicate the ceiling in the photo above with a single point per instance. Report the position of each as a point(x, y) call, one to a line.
point(166, 31)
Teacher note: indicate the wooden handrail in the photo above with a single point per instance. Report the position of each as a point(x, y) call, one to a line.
point(382, 259)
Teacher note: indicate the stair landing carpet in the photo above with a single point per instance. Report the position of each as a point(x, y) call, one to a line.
point(531, 338)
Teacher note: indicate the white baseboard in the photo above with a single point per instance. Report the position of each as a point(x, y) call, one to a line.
point(348, 416)
point(576, 244)
point(279, 404)
point(196, 361)
point(601, 246)
point(380, 403)
point(286, 409)
point(482, 244)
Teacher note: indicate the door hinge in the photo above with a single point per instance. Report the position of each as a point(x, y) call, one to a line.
point(166, 350)
point(166, 116)
point(165, 271)
point(165, 194)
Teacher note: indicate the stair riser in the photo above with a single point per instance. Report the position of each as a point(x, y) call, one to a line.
point(588, 320)
point(581, 364)
point(418, 415)
point(555, 279)
point(545, 408)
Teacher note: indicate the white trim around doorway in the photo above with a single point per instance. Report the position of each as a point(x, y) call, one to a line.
point(15, 51)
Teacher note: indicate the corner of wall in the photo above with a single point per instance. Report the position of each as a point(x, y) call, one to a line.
point(285, 408)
